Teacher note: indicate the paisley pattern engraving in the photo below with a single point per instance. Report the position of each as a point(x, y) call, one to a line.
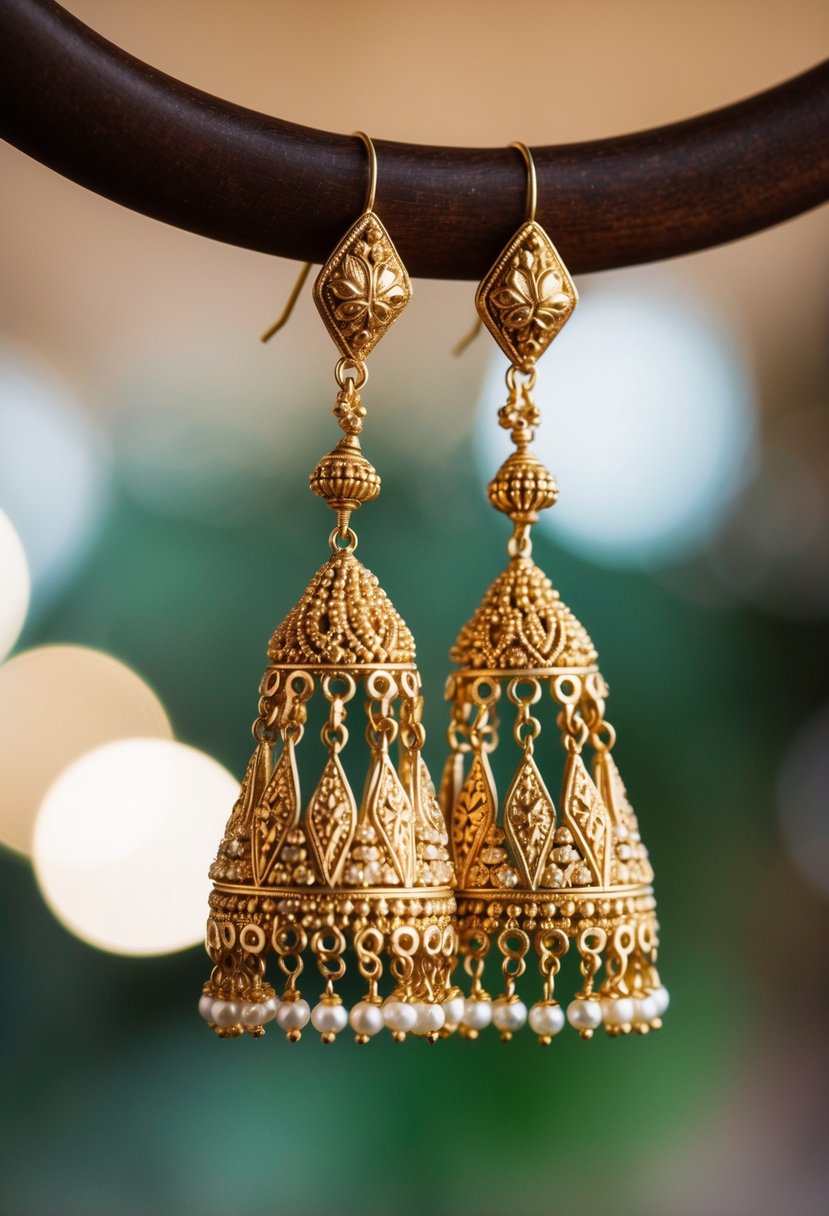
point(522, 623)
point(275, 815)
point(343, 617)
point(390, 811)
point(529, 821)
point(331, 820)
point(587, 817)
point(473, 816)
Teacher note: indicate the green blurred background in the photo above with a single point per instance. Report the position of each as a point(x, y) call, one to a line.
point(201, 535)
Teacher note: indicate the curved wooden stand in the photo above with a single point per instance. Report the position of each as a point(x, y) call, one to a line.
point(97, 115)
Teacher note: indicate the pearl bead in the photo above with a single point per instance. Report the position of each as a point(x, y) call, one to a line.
point(454, 1010)
point(206, 1008)
point(225, 1013)
point(662, 998)
point(546, 1019)
point(477, 1014)
point(328, 1018)
point(509, 1015)
point(271, 1007)
point(618, 1011)
point(293, 1015)
point(399, 1016)
point(584, 1013)
point(645, 1009)
point(253, 1014)
point(366, 1018)
point(429, 1018)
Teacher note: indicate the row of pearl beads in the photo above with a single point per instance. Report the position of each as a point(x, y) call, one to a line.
point(366, 1019)
point(247, 1014)
point(509, 1014)
point(618, 1014)
point(547, 1019)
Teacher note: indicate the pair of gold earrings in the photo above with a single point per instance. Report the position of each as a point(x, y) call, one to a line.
point(406, 881)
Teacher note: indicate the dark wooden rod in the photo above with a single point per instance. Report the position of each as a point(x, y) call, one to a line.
point(95, 114)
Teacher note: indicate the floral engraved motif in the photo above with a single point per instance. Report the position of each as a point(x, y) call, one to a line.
point(362, 288)
point(527, 296)
point(586, 815)
point(529, 821)
point(275, 815)
point(332, 819)
point(391, 813)
point(472, 818)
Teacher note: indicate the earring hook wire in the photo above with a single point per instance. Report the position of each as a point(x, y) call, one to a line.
point(371, 193)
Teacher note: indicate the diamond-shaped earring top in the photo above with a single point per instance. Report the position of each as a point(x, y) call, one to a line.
point(527, 297)
point(362, 288)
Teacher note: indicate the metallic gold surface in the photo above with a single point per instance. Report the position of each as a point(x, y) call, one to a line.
point(533, 874)
point(305, 868)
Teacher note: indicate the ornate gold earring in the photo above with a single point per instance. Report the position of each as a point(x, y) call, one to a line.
point(530, 877)
point(298, 875)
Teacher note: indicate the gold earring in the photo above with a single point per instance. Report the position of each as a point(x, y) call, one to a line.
point(298, 875)
point(529, 877)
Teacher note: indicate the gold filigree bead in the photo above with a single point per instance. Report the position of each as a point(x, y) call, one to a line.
point(522, 623)
point(344, 477)
point(343, 618)
point(522, 487)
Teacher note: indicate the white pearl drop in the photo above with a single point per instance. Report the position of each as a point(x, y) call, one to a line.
point(645, 1009)
point(618, 1011)
point(509, 1015)
point(206, 1008)
point(429, 1018)
point(328, 1018)
point(253, 1014)
point(662, 998)
point(454, 1010)
point(366, 1018)
point(293, 1015)
point(225, 1013)
point(270, 1006)
point(398, 1015)
point(546, 1019)
point(477, 1014)
point(584, 1014)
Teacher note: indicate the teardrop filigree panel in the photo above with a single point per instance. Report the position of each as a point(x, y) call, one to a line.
point(275, 815)
point(390, 811)
point(529, 821)
point(473, 816)
point(631, 861)
point(331, 821)
point(587, 817)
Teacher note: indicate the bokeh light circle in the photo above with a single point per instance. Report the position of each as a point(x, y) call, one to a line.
point(15, 585)
point(54, 471)
point(123, 842)
point(648, 424)
point(56, 703)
